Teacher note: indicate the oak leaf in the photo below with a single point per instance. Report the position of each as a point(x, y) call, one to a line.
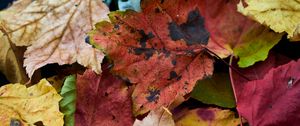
point(54, 31)
point(269, 95)
point(36, 103)
point(103, 100)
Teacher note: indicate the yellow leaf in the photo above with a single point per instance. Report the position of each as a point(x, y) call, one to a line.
point(279, 15)
point(208, 117)
point(36, 103)
point(55, 31)
point(10, 61)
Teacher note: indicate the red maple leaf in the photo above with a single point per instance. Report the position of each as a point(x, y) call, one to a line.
point(270, 96)
point(163, 48)
point(102, 100)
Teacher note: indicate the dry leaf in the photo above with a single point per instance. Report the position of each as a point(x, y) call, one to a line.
point(10, 61)
point(159, 117)
point(279, 15)
point(55, 31)
point(33, 104)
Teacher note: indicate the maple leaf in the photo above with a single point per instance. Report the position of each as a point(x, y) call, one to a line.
point(54, 31)
point(270, 95)
point(162, 67)
point(103, 100)
point(10, 61)
point(33, 104)
point(208, 117)
point(280, 16)
point(159, 117)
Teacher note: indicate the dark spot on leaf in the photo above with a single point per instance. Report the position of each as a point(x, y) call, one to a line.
point(153, 95)
point(116, 27)
point(119, 33)
point(15, 122)
point(87, 39)
point(105, 94)
point(157, 10)
point(173, 75)
point(76, 5)
point(148, 52)
point(39, 123)
point(206, 115)
point(145, 37)
point(192, 31)
point(113, 117)
point(162, 1)
point(174, 62)
point(178, 78)
point(104, 33)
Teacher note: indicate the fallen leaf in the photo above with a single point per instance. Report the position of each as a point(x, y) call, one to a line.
point(68, 103)
point(103, 100)
point(162, 67)
point(208, 117)
point(270, 95)
point(257, 42)
point(159, 117)
point(54, 31)
point(215, 90)
point(33, 104)
point(279, 15)
point(11, 64)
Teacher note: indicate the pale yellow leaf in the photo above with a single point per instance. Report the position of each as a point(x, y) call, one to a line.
point(55, 31)
point(279, 15)
point(36, 103)
point(11, 61)
point(159, 117)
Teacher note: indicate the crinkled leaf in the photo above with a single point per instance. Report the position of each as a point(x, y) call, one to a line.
point(215, 90)
point(67, 104)
point(208, 117)
point(55, 31)
point(270, 95)
point(159, 117)
point(279, 15)
point(11, 61)
point(162, 67)
point(36, 103)
point(103, 100)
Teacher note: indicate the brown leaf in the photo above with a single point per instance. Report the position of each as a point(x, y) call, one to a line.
point(55, 31)
point(159, 117)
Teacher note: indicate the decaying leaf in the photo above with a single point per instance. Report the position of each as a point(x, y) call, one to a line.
point(162, 66)
point(208, 117)
point(11, 61)
point(215, 90)
point(270, 96)
point(279, 15)
point(159, 117)
point(68, 104)
point(103, 100)
point(54, 31)
point(30, 105)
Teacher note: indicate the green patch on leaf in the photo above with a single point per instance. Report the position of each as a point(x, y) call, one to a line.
point(215, 90)
point(68, 103)
point(256, 45)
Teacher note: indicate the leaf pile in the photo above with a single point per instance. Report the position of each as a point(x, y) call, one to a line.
point(164, 63)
